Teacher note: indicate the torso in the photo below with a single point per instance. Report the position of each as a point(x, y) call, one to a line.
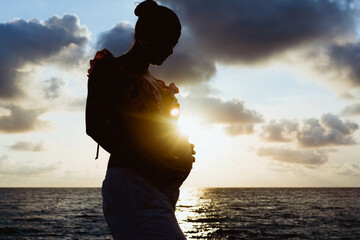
point(165, 101)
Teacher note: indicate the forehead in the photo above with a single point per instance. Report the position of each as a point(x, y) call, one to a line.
point(166, 36)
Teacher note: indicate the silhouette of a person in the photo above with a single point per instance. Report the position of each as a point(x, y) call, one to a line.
point(133, 116)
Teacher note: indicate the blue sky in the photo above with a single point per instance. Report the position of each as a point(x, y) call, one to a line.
point(270, 91)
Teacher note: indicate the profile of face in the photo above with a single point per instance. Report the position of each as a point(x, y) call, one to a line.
point(161, 49)
point(158, 29)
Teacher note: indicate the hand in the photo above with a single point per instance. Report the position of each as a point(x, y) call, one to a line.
point(193, 152)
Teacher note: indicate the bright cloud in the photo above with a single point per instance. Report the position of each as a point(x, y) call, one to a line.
point(27, 146)
point(330, 130)
point(21, 120)
point(32, 42)
point(8, 168)
point(352, 110)
point(236, 118)
point(308, 158)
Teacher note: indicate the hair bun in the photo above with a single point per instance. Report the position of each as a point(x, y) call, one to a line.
point(146, 8)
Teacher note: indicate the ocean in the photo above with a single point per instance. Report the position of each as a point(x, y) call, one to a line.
point(203, 213)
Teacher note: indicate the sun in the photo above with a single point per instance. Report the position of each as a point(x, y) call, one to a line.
point(194, 129)
point(175, 112)
point(186, 127)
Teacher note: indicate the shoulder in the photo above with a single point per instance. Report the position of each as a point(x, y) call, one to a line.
point(105, 72)
point(103, 64)
point(100, 59)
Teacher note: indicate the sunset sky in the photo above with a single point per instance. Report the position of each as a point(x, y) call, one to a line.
point(269, 90)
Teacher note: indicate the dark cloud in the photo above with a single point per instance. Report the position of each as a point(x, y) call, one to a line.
point(240, 32)
point(352, 110)
point(281, 131)
point(21, 120)
point(27, 146)
point(346, 59)
point(186, 65)
point(34, 42)
point(306, 157)
point(329, 131)
point(248, 31)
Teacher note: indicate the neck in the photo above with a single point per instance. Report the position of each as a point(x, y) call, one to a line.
point(135, 61)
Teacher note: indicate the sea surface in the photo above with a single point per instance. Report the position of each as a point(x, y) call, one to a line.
point(203, 213)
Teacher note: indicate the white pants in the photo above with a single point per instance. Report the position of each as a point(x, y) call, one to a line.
point(134, 209)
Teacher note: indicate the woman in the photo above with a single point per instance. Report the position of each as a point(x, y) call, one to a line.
point(132, 115)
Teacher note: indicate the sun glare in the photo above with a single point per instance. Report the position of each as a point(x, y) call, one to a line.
point(186, 127)
point(175, 112)
point(195, 130)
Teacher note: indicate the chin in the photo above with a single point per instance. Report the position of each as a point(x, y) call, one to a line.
point(158, 62)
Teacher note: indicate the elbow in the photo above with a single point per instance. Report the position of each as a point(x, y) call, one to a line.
point(91, 126)
point(91, 134)
point(91, 131)
point(96, 131)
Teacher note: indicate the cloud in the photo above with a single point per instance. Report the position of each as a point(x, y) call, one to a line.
point(352, 110)
point(330, 130)
point(346, 60)
point(8, 168)
point(247, 31)
point(242, 32)
point(281, 131)
point(349, 169)
point(56, 96)
point(35, 42)
point(232, 114)
point(186, 65)
point(53, 88)
point(75, 104)
point(306, 157)
point(333, 122)
point(3, 158)
point(214, 110)
point(21, 120)
point(27, 146)
point(239, 129)
point(118, 39)
point(306, 137)
point(347, 95)
point(239, 32)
